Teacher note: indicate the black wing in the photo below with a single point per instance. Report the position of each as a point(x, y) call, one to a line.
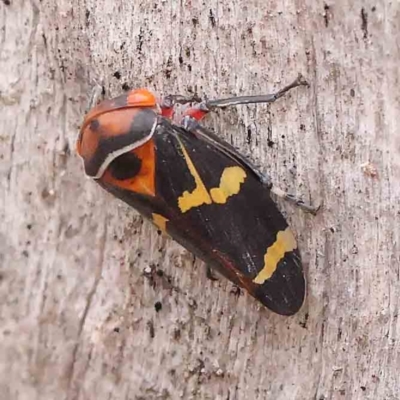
point(210, 200)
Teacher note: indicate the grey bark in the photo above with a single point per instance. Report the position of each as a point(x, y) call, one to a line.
point(77, 314)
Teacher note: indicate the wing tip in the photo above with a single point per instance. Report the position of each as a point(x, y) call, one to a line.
point(284, 293)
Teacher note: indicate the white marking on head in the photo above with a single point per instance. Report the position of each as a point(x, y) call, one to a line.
point(112, 156)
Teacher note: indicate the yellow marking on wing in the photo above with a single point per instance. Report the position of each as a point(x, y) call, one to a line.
point(160, 221)
point(229, 184)
point(199, 195)
point(284, 243)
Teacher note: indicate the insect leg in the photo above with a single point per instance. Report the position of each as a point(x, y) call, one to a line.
point(291, 198)
point(167, 103)
point(266, 98)
point(200, 110)
point(210, 274)
point(194, 127)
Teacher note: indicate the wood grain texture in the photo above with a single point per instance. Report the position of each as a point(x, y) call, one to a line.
point(82, 274)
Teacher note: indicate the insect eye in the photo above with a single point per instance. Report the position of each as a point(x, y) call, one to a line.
point(125, 166)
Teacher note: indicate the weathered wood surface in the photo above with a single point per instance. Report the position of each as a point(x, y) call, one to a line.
point(78, 318)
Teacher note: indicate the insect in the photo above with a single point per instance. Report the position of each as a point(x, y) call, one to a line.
point(198, 188)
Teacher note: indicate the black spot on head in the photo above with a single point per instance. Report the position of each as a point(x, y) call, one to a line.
point(94, 125)
point(125, 166)
point(117, 74)
point(158, 306)
point(125, 87)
